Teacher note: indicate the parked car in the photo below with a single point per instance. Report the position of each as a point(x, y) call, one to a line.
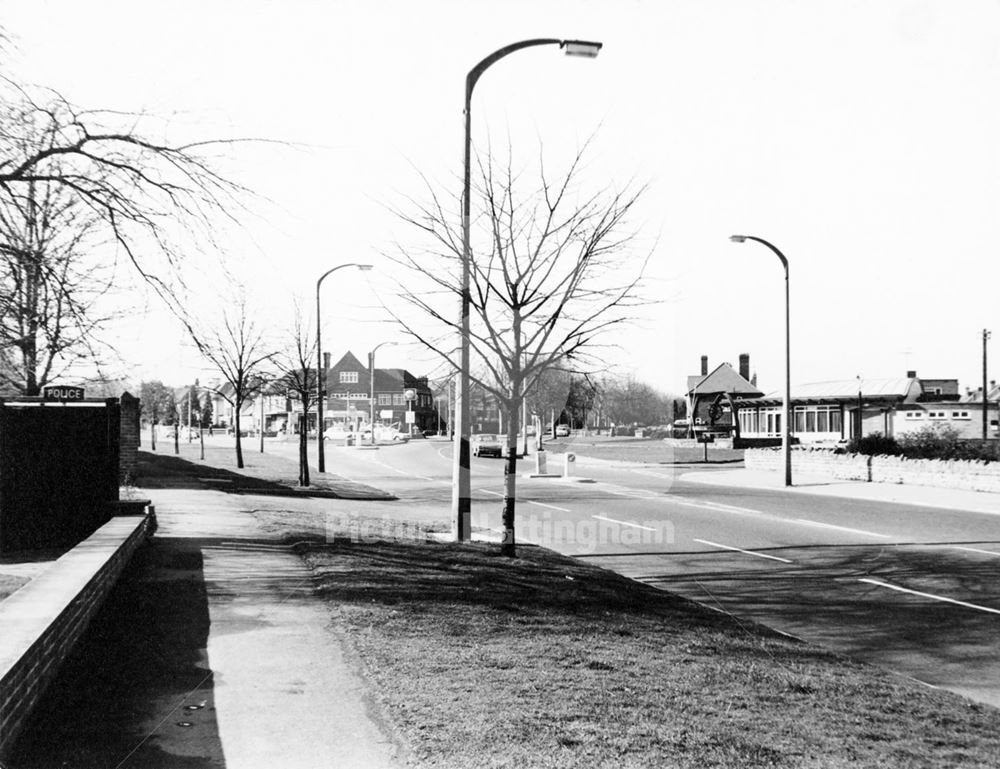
point(486, 444)
point(562, 431)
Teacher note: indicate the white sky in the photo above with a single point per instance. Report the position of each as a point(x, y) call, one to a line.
point(861, 138)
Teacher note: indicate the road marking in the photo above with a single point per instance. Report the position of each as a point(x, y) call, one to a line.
point(741, 550)
point(621, 523)
point(542, 504)
point(719, 507)
point(805, 522)
point(487, 491)
point(930, 595)
point(976, 550)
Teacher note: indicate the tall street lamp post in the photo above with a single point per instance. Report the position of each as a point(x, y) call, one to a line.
point(371, 400)
point(461, 491)
point(320, 455)
point(786, 427)
point(986, 402)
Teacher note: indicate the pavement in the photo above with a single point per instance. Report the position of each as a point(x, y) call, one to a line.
point(805, 483)
point(216, 654)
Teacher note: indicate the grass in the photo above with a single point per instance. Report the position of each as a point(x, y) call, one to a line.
point(652, 450)
point(545, 661)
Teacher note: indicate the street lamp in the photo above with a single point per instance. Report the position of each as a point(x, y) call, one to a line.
point(371, 400)
point(461, 501)
point(320, 456)
point(786, 442)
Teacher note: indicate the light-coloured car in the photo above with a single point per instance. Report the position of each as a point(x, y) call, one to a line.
point(562, 431)
point(486, 444)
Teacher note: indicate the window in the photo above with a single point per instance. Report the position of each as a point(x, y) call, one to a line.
point(960, 415)
point(914, 414)
point(835, 421)
point(385, 399)
point(398, 399)
point(936, 415)
point(800, 421)
point(823, 421)
point(810, 421)
point(348, 377)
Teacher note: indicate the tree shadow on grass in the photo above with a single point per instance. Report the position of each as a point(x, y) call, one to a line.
point(158, 471)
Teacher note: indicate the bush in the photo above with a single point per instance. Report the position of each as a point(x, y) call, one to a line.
point(874, 444)
point(943, 442)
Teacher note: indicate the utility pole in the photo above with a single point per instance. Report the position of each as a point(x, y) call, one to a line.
point(986, 403)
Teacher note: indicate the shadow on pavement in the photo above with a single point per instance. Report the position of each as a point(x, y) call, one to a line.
point(137, 691)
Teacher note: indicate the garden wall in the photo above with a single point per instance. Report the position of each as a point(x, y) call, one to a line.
point(954, 474)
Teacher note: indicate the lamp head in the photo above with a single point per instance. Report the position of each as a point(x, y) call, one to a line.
point(585, 48)
point(738, 238)
point(364, 267)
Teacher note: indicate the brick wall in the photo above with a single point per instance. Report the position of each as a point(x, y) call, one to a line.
point(957, 474)
point(44, 619)
point(129, 432)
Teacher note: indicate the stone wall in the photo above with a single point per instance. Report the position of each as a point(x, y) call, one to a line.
point(957, 474)
point(44, 619)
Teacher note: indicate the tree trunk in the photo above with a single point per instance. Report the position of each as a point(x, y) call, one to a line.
point(303, 452)
point(239, 443)
point(508, 545)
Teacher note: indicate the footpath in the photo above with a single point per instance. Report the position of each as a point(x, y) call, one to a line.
point(806, 483)
point(211, 652)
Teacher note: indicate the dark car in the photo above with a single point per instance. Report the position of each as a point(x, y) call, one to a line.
point(486, 444)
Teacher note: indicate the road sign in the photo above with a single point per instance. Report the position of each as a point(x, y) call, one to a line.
point(410, 394)
point(63, 393)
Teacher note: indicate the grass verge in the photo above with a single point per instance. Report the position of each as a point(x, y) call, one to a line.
point(544, 661)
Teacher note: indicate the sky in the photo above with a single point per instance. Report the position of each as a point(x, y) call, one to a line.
point(860, 138)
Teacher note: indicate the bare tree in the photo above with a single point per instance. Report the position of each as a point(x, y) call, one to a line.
point(139, 188)
point(551, 271)
point(239, 351)
point(50, 290)
point(296, 367)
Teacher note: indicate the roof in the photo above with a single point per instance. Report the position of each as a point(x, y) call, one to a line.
point(892, 390)
point(723, 379)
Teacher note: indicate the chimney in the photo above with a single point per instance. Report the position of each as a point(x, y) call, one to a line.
point(745, 365)
point(704, 365)
point(911, 374)
point(326, 361)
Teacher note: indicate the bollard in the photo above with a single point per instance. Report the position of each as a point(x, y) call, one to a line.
point(569, 464)
point(540, 462)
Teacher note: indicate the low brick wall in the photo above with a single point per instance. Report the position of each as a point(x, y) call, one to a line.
point(958, 474)
point(43, 620)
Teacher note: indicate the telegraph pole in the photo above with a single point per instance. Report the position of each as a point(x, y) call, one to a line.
point(986, 402)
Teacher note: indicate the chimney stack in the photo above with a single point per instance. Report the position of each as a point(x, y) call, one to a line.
point(911, 374)
point(745, 365)
point(704, 365)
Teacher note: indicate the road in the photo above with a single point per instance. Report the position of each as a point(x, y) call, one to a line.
point(911, 588)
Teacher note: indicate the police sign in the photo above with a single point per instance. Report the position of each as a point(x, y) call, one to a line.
point(63, 393)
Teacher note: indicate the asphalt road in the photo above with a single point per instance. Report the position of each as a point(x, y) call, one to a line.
point(913, 589)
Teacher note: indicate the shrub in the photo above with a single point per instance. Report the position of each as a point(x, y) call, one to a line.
point(874, 444)
point(943, 442)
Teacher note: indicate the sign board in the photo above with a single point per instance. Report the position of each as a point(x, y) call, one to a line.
point(63, 393)
point(410, 394)
point(411, 417)
point(385, 414)
point(705, 438)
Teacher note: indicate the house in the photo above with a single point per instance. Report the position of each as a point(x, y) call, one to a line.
point(711, 396)
point(832, 411)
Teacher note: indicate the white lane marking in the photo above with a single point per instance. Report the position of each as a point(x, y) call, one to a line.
point(621, 523)
point(930, 595)
point(718, 507)
point(806, 522)
point(975, 550)
point(542, 504)
point(487, 491)
point(741, 550)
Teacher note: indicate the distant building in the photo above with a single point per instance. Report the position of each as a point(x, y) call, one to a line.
point(842, 409)
point(711, 396)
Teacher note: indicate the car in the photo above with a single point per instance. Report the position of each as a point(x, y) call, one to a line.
point(562, 431)
point(486, 444)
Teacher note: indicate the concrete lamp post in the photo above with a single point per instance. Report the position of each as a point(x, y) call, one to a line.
point(320, 454)
point(461, 490)
point(786, 427)
point(371, 399)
